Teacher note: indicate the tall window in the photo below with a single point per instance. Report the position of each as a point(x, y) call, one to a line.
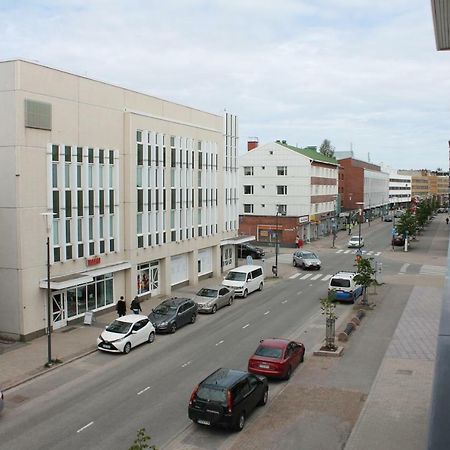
point(281, 190)
point(248, 189)
point(282, 170)
point(248, 170)
point(248, 208)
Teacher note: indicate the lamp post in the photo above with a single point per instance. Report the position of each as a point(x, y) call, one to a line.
point(276, 242)
point(48, 218)
point(359, 224)
point(334, 226)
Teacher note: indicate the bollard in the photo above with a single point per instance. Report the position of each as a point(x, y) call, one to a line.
point(347, 332)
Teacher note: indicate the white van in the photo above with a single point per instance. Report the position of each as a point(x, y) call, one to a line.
point(245, 279)
point(344, 287)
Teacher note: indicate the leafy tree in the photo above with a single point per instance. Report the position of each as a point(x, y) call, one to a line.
point(328, 306)
point(364, 276)
point(141, 441)
point(326, 148)
point(407, 224)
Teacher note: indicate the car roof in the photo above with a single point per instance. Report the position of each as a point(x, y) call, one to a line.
point(215, 288)
point(131, 318)
point(224, 377)
point(275, 342)
point(175, 301)
point(306, 252)
point(245, 268)
point(344, 274)
point(355, 237)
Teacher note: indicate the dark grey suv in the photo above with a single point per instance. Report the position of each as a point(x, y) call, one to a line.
point(227, 397)
point(172, 314)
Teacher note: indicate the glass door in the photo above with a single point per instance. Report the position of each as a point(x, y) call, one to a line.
point(59, 313)
point(154, 279)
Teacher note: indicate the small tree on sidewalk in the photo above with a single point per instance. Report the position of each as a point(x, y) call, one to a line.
point(327, 305)
point(141, 440)
point(365, 276)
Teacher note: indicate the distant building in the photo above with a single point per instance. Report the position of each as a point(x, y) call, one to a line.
point(143, 194)
point(427, 184)
point(399, 188)
point(299, 183)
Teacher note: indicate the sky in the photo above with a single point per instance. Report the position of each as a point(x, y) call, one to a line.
point(363, 74)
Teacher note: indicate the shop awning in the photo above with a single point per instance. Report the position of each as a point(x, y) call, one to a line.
point(66, 281)
point(108, 269)
point(237, 240)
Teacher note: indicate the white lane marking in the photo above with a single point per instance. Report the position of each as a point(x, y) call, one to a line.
point(283, 302)
point(404, 268)
point(245, 326)
point(294, 276)
point(326, 277)
point(186, 364)
point(347, 251)
point(220, 342)
point(304, 277)
point(377, 253)
point(267, 312)
point(315, 277)
point(369, 253)
point(299, 292)
point(86, 426)
point(143, 390)
point(340, 251)
point(311, 284)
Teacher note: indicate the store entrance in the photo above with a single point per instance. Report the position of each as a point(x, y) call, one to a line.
point(59, 312)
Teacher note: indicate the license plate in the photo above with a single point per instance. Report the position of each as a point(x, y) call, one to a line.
point(264, 366)
point(107, 345)
point(203, 422)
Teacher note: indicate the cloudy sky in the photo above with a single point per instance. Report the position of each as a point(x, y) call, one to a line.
point(364, 74)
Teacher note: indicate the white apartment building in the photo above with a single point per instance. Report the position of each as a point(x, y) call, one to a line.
point(142, 195)
point(399, 188)
point(376, 192)
point(301, 184)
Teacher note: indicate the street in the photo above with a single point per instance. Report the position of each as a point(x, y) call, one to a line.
point(100, 401)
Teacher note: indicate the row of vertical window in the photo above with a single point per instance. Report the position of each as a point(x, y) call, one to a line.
point(104, 156)
point(80, 204)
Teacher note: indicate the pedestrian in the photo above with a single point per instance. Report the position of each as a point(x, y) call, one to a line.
point(349, 229)
point(393, 244)
point(446, 220)
point(136, 306)
point(121, 307)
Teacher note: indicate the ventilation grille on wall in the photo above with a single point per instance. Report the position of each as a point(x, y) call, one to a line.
point(38, 115)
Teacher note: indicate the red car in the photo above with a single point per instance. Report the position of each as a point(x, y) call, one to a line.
point(276, 358)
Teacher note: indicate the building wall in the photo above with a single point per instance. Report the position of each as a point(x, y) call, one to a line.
point(351, 184)
point(91, 114)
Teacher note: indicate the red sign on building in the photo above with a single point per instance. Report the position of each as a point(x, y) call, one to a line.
point(93, 261)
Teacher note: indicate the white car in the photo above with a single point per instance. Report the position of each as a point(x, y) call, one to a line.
point(125, 333)
point(355, 242)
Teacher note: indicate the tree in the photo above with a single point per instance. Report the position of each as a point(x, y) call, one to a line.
point(364, 276)
point(326, 148)
point(328, 305)
point(141, 441)
point(407, 225)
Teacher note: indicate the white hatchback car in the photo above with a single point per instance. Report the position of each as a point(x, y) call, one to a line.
point(125, 333)
point(355, 242)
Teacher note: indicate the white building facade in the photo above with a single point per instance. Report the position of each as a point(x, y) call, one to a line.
point(138, 189)
point(376, 192)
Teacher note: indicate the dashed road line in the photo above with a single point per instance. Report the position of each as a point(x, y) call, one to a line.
point(86, 426)
point(186, 364)
point(220, 342)
point(245, 326)
point(283, 302)
point(299, 292)
point(143, 390)
point(267, 312)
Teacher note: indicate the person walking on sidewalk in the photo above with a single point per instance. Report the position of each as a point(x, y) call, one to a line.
point(121, 307)
point(136, 306)
point(446, 219)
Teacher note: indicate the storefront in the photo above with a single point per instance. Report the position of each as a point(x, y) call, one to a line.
point(147, 278)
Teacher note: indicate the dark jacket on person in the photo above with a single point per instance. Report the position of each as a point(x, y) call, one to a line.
point(135, 305)
point(121, 307)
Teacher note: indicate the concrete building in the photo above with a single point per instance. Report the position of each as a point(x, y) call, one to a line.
point(428, 184)
point(143, 194)
point(301, 184)
point(399, 188)
point(362, 185)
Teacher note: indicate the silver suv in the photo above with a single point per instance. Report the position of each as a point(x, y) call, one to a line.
point(306, 260)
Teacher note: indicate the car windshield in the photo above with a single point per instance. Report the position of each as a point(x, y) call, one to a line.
point(355, 238)
point(164, 309)
point(269, 352)
point(235, 276)
point(212, 394)
point(205, 292)
point(119, 327)
point(309, 256)
point(340, 282)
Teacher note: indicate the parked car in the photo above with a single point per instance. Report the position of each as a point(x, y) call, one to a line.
point(356, 242)
point(398, 240)
point(442, 210)
point(306, 260)
point(209, 300)
point(276, 358)
point(245, 250)
point(245, 279)
point(343, 287)
point(227, 397)
point(125, 333)
point(399, 213)
point(172, 314)
point(388, 218)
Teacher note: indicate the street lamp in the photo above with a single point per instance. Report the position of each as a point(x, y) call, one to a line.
point(359, 224)
point(48, 223)
point(334, 221)
point(275, 268)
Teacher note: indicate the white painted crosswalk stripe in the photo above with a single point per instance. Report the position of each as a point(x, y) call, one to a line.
point(294, 276)
point(347, 251)
point(304, 277)
point(428, 269)
point(326, 277)
point(339, 251)
point(377, 253)
point(369, 253)
point(315, 277)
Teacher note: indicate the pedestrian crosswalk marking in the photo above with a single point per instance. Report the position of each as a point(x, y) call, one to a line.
point(428, 269)
point(353, 252)
point(339, 251)
point(294, 276)
point(377, 253)
point(326, 277)
point(347, 251)
point(369, 253)
point(315, 277)
point(304, 277)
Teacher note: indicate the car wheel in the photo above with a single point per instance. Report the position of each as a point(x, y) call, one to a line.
point(264, 398)
point(288, 373)
point(240, 422)
point(173, 328)
point(214, 309)
point(245, 293)
point(318, 268)
point(303, 266)
point(151, 337)
point(353, 299)
point(230, 301)
point(127, 348)
point(295, 263)
point(194, 317)
point(261, 286)
point(302, 358)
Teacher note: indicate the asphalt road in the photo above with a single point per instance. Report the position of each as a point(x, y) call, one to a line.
point(100, 401)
